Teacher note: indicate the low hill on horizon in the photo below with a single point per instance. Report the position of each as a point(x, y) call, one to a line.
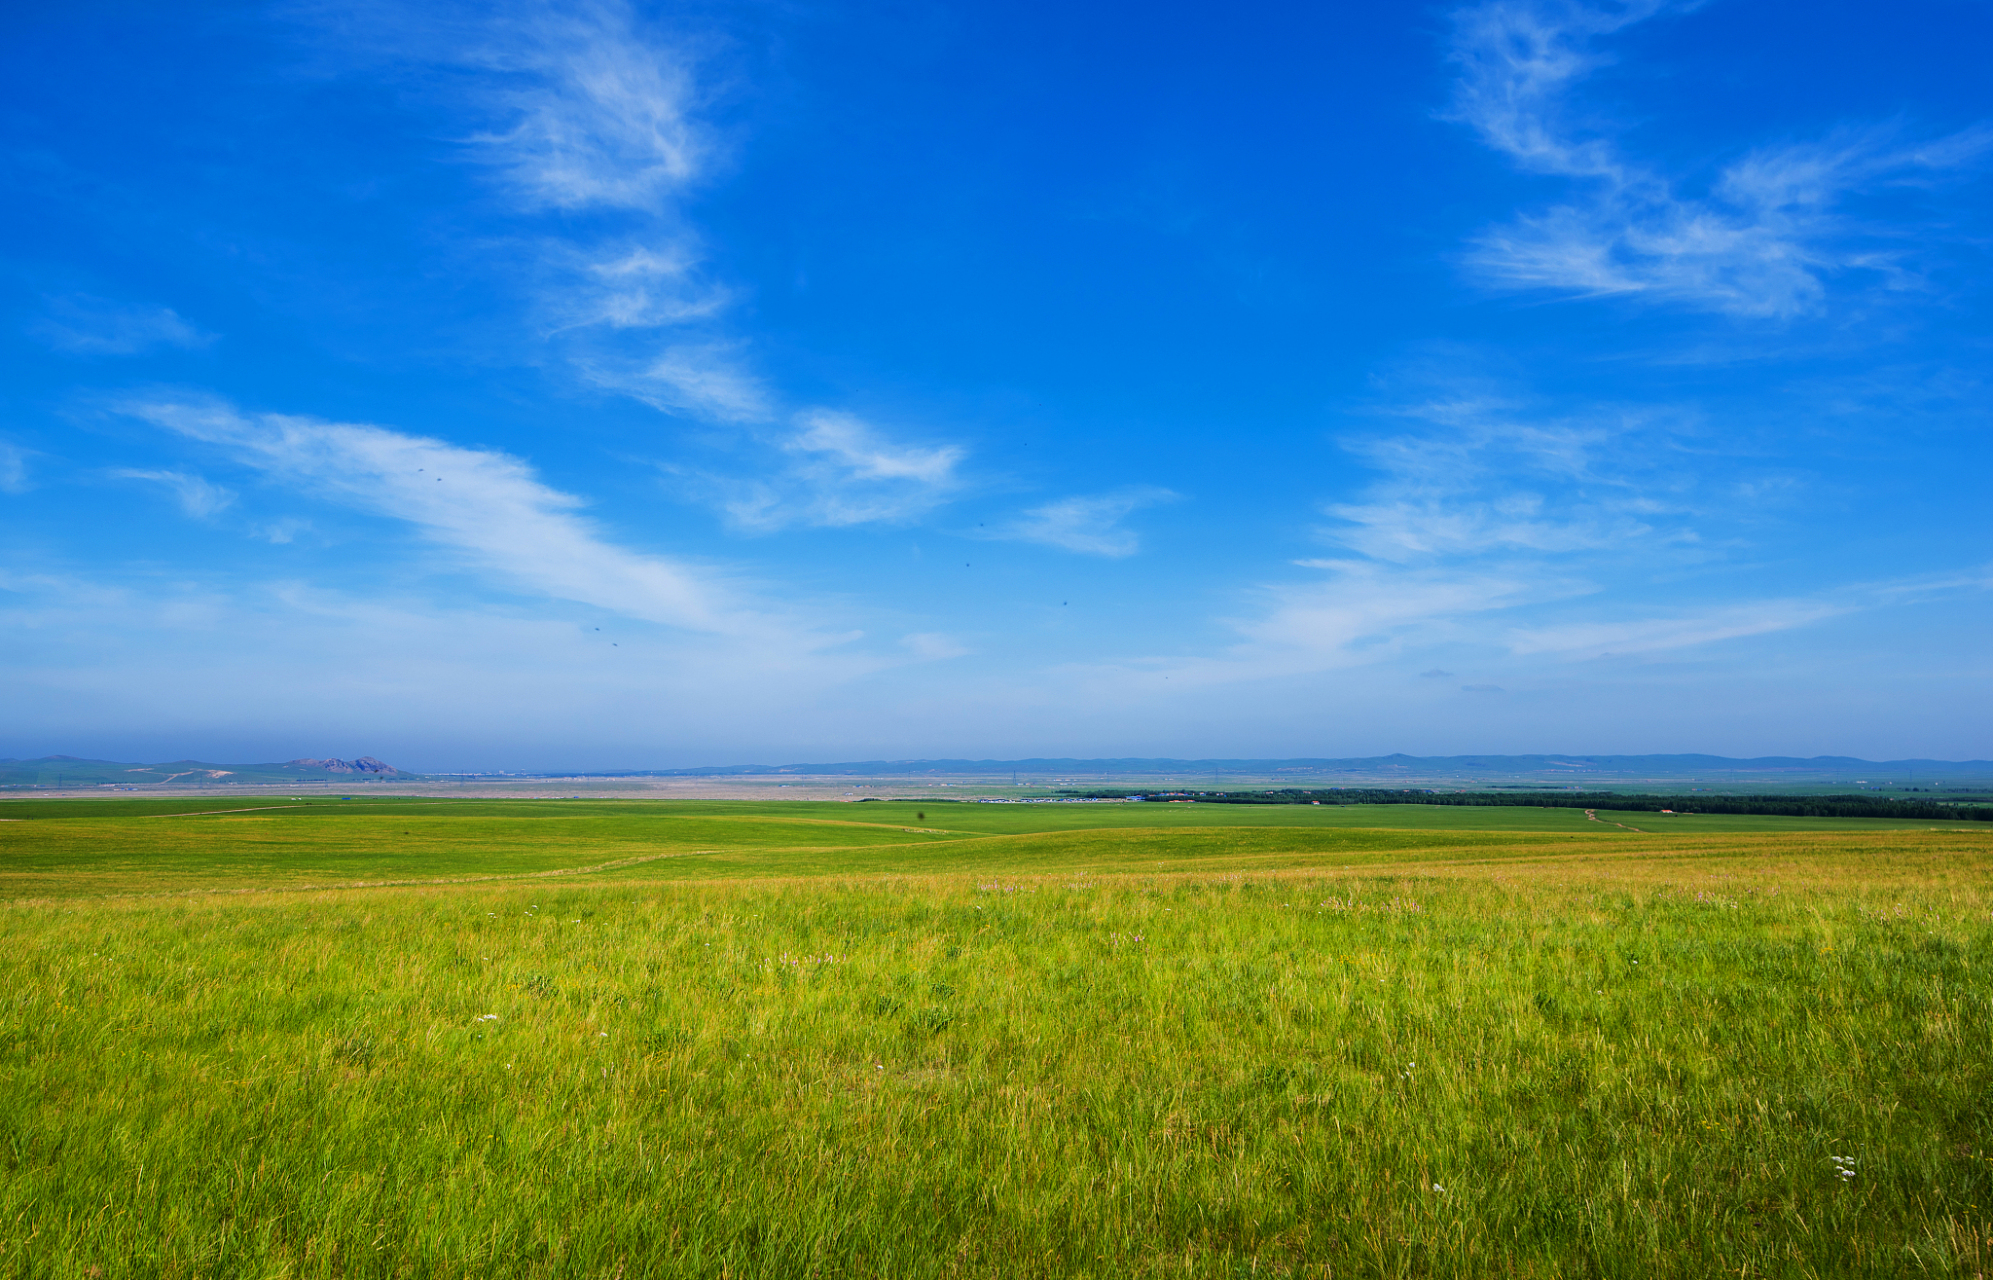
point(1575, 766)
point(1390, 770)
point(70, 771)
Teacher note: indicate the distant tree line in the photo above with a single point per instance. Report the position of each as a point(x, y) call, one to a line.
point(1782, 806)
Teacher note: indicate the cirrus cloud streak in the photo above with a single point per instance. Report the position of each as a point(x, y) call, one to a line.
point(487, 506)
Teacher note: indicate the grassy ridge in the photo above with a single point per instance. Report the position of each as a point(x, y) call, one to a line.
point(1207, 1051)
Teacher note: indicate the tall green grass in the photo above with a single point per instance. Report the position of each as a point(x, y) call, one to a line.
point(1775, 1068)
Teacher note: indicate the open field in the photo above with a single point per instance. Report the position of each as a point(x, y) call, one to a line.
point(156, 846)
point(1086, 1040)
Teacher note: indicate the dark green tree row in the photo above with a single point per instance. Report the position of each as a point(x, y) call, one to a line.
point(1783, 806)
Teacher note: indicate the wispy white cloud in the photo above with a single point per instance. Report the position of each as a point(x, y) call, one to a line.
point(1683, 631)
point(588, 107)
point(1763, 241)
point(13, 468)
point(1365, 614)
point(84, 325)
point(840, 471)
point(706, 380)
point(854, 447)
point(1354, 614)
point(1468, 475)
point(1517, 62)
point(822, 468)
point(485, 505)
point(1934, 586)
point(640, 286)
point(1490, 527)
point(598, 108)
point(281, 532)
point(603, 108)
point(198, 497)
point(933, 646)
point(591, 107)
point(599, 111)
point(1089, 525)
point(1361, 612)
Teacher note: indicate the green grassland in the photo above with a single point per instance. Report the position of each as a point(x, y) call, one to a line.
point(153, 846)
point(621, 1039)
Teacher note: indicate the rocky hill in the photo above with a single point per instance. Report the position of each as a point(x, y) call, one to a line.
point(359, 764)
point(70, 771)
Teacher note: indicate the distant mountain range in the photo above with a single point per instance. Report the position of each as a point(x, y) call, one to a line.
point(69, 771)
point(1421, 766)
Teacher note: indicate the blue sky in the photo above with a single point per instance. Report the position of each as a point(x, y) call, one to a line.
point(602, 385)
